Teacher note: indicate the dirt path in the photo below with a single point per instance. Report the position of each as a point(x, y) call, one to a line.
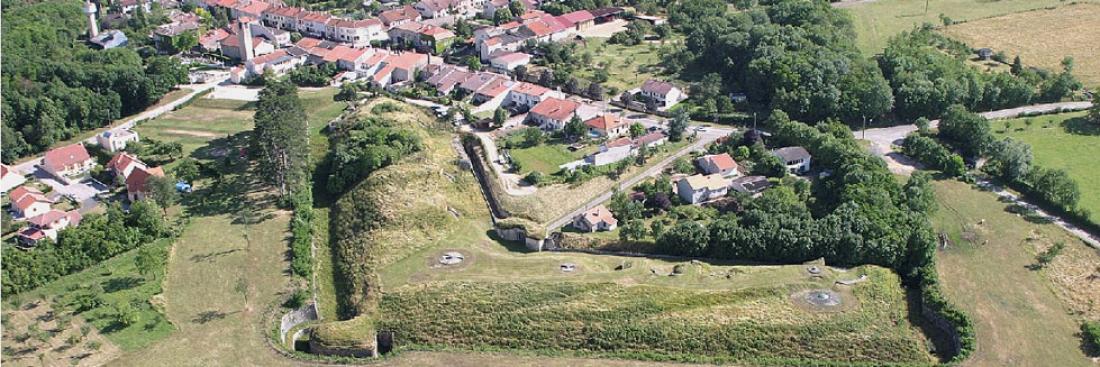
point(201, 134)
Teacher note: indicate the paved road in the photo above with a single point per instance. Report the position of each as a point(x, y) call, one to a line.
point(705, 137)
point(883, 139)
point(28, 167)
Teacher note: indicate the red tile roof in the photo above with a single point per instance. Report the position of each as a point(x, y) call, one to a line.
point(120, 161)
point(657, 86)
point(620, 142)
point(530, 89)
point(58, 159)
point(138, 178)
point(722, 161)
point(47, 219)
point(600, 214)
point(556, 109)
point(605, 122)
point(577, 16)
point(406, 12)
point(24, 196)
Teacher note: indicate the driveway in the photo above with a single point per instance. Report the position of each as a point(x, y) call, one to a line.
point(1087, 237)
point(80, 191)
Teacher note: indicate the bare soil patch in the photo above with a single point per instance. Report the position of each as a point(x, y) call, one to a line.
point(37, 335)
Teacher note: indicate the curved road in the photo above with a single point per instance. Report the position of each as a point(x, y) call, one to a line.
point(883, 141)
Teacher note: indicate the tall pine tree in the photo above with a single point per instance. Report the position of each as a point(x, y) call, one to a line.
point(280, 139)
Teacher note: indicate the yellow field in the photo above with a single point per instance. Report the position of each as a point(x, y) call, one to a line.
point(1042, 37)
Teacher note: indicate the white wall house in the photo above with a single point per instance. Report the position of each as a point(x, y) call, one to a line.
point(699, 188)
point(116, 140)
point(664, 93)
point(797, 159)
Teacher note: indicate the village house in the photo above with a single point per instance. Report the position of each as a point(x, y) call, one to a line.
point(68, 161)
point(109, 39)
point(116, 140)
point(552, 113)
point(697, 189)
point(136, 183)
point(753, 185)
point(662, 93)
point(526, 96)
point(797, 159)
point(649, 140)
point(122, 164)
point(396, 17)
point(28, 202)
point(129, 6)
point(400, 67)
point(596, 219)
point(248, 8)
point(720, 164)
point(580, 19)
point(231, 47)
point(608, 126)
point(423, 36)
point(211, 40)
point(164, 35)
point(48, 225)
point(10, 178)
point(613, 151)
point(444, 78)
point(276, 63)
point(358, 33)
point(508, 61)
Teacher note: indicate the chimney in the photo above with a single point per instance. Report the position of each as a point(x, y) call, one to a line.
point(93, 25)
point(246, 39)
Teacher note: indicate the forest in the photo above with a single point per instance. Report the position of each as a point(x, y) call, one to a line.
point(56, 86)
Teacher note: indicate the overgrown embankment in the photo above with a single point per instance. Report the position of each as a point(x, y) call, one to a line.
point(415, 201)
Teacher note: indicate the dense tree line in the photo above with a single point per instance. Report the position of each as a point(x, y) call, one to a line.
point(933, 154)
point(364, 147)
point(928, 73)
point(99, 237)
point(280, 138)
point(796, 56)
point(55, 86)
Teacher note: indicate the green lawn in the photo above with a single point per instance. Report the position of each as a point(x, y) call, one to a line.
point(1063, 141)
point(877, 21)
point(1019, 318)
point(546, 157)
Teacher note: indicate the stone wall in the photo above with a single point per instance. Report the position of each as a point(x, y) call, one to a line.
point(943, 325)
point(369, 348)
point(294, 318)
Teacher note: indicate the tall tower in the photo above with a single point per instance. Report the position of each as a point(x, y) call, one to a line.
point(93, 26)
point(246, 38)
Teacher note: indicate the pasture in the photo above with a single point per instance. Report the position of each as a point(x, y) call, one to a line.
point(877, 21)
point(1063, 141)
point(1042, 37)
point(627, 66)
point(1022, 316)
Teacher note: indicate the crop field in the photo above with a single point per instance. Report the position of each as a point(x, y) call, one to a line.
point(1022, 317)
point(1060, 141)
point(1042, 37)
point(644, 321)
point(877, 21)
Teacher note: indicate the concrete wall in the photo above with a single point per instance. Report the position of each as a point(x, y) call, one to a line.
point(294, 318)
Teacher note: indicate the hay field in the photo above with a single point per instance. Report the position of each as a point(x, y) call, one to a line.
point(1042, 37)
point(877, 21)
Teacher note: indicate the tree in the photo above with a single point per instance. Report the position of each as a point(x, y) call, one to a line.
point(920, 196)
point(502, 16)
point(659, 201)
point(575, 128)
point(149, 260)
point(162, 191)
point(1017, 66)
point(125, 315)
point(595, 90)
point(636, 130)
point(517, 7)
point(280, 138)
point(924, 127)
point(678, 125)
point(500, 116)
point(967, 131)
point(187, 169)
point(1094, 112)
point(349, 92)
point(632, 230)
point(521, 72)
point(1012, 159)
point(474, 63)
point(686, 238)
point(627, 98)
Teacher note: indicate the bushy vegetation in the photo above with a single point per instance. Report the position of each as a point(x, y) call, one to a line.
point(928, 73)
point(1090, 332)
point(651, 322)
point(313, 75)
point(56, 87)
point(796, 56)
point(365, 146)
point(98, 238)
point(933, 154)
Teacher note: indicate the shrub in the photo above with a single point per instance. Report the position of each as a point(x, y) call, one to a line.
point(297, 299)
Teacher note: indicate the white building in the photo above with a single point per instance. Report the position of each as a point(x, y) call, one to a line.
point(116, 140)
point(596, 219)
point(699, 188)
point(10, 178)
point(663, 93)
point(797, 159)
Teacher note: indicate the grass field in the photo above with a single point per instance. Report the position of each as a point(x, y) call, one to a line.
point(545, 158)
point(877, 21)
point(1063, 145)
point(1022, 316)
point(1042, 37)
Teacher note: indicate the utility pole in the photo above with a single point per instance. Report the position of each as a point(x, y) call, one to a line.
point(754, 121)
point(864, 127)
